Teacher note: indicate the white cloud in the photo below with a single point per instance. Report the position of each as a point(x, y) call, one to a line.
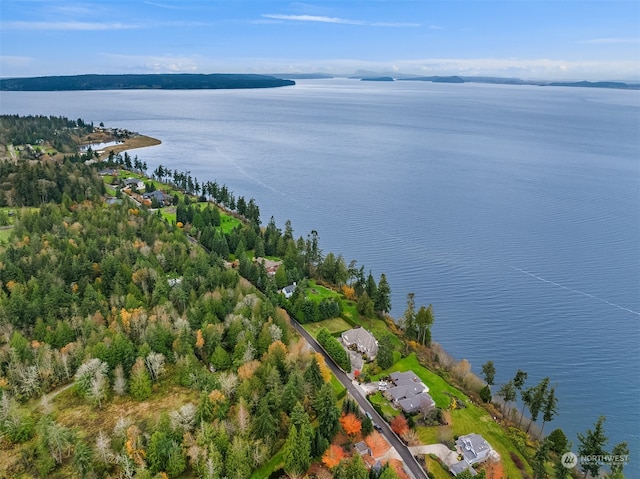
point(69, 26)
point(526, 69)
point(312, 18)
point(343, 21)
point(153, 63)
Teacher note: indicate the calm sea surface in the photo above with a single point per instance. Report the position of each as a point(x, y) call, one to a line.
point(514, 210)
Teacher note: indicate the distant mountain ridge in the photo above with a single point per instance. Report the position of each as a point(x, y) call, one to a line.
point(177, 81)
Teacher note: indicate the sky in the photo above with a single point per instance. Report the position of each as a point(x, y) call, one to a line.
point(559, 39)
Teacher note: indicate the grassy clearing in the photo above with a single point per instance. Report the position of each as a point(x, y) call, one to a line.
point(228, 223)
point(77, 413)
point(317, 293)
point(334, 325)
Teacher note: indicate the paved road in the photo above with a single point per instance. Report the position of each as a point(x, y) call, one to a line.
point(415, 469)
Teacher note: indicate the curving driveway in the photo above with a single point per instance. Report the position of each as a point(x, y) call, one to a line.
point(443, 453)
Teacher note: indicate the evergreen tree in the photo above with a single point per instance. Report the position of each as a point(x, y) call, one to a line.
point(489, 372)
point(550, 407)
point(385, 351)
point(424, 321)
point(356, 468)
point(409, 317)
point(592, 444)
point(540, 459)
point(507, 392)
point(382, 299)
point(621, 449)
point(327, 412)
point(313, 377)
point(139, 381)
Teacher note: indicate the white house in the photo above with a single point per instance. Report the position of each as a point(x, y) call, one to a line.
point(289, 290)
point(134, 182)
point(474, 448)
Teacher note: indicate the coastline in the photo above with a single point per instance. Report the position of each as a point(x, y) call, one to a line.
point(140, 141)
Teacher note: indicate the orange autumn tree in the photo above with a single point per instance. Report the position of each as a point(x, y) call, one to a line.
point(349, 292)
point(350, 424)
point(399, 425)
point(377, 444)
point(332, 456)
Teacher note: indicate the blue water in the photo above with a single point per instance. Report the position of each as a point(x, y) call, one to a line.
point(514, 210)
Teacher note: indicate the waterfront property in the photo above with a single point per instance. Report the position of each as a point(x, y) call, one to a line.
point(409, 393)
point(134, 183)
point(363, 340)
point(474, 449)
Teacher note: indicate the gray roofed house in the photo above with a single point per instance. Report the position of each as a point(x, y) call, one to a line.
point(473, 447)
point(364, 341)
point(409, 392)
point(420, 402)
point(405, 391)
point(158, 195)
point(362, 448)
point(404, 376)
point(461, 466)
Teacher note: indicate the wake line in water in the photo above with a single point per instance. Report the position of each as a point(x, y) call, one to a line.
point(252, 178)
point(539, 278)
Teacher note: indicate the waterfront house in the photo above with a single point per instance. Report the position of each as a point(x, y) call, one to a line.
point(474, 448)
point(363, 340)
point(160, 196)
point(134, 183)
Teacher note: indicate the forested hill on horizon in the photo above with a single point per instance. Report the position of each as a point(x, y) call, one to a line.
point(177, 81)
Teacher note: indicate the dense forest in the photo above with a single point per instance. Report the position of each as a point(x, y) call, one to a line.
point(176, 81)
point(87, 296)
point(61, 132)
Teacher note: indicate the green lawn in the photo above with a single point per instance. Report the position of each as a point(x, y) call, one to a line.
point(334, 325)
point(337, 386)
point(317, 292)
point(387, 410)
point(436, 469)
point(228, 223)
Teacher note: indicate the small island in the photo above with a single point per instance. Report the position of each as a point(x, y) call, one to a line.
point(377, 79)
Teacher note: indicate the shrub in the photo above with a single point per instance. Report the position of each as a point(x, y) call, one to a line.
point(334, 349)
